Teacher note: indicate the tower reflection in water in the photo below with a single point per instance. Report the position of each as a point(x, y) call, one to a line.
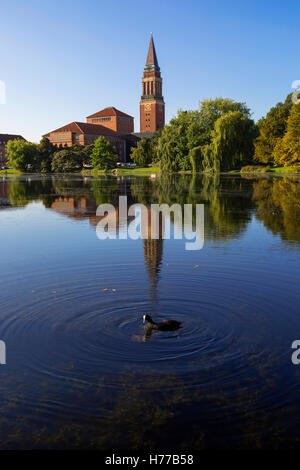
point(153, 247)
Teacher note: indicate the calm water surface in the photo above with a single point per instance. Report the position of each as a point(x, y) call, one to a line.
point(80, 372)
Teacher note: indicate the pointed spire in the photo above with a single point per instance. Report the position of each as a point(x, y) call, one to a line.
point(151, 62)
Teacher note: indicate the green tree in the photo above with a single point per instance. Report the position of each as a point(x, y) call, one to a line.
point(87, 151)
point(144, 153)
point(67, 160)
point(287, 150)
point(194, 130)
point(200, 133)
point(173, 148)
point(46, 151)
point(196, 157)
point(104, 155)
point(271, 130)
point(21, 154)
point(232, 141)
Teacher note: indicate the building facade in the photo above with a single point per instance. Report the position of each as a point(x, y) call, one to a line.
point(152, 105)
point(110, 123)
point(113, 119)
point(4, 138)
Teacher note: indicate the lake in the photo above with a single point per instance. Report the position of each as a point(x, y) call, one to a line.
point(80, 371)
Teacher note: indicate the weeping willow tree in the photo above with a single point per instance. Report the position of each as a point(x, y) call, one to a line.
point(196, 140)
point(196, 158)
point(232, 143)
point(173, 144)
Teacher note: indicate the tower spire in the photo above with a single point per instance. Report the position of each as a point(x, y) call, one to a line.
point(152, 63)
point(152, 106)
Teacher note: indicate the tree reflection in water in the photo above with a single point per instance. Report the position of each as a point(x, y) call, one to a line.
point(156, 411)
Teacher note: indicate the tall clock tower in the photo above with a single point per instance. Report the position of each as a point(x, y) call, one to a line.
point(152, 105)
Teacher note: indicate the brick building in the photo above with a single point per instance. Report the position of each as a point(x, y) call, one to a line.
point(114, 125)
point(152, 106)
point(82, 133)
point(113, 119)
point(4, 138)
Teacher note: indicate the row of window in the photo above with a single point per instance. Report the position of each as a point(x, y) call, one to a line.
point(61, 136)
point(124, 118)
point(149, 88)
point(101, 119)
point(107, 119)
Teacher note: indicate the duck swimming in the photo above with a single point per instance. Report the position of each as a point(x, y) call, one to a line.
point(165, 325)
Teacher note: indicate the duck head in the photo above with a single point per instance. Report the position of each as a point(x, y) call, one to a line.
point(147, 318)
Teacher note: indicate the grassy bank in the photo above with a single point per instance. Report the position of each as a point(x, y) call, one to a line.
point(10, 172)
point(259, 169)
point(94, 172)
point(285, 169)
point(139, 171)
point(147, 171)
point(123, 171)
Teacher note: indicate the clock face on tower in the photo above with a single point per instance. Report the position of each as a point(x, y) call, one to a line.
point(148, 107)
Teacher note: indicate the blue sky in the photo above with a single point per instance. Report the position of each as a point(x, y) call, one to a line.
point(63, 60)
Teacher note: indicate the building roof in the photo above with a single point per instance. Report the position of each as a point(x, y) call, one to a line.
point(140, 135)
point(111, 111)
point(6, 137)
point(151, 62)
point(85, 128)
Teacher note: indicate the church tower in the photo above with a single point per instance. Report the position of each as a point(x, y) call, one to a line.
point(152, 106)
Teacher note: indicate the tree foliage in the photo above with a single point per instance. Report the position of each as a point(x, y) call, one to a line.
point(197, 139)
point(173, 144)
point(271, 130)
point(67, 160)
point(232, 141)
point(287, 150)
point(144, 153)
point(21, 154)
point(45, 156)
point(196, 157)
point(104, 155)
point(24, 155)
point(46, 151)
point(87, 153)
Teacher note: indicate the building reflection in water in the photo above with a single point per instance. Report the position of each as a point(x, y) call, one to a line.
point(153, 248)
point(73, 208)
point(4, 194)
point(153, 252)
point(230, 204)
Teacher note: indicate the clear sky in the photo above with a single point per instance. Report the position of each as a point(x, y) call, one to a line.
point(63, 60)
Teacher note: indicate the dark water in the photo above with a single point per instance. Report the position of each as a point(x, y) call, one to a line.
point(80, 372)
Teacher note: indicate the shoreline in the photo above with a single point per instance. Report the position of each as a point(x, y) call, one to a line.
point(155, 171)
